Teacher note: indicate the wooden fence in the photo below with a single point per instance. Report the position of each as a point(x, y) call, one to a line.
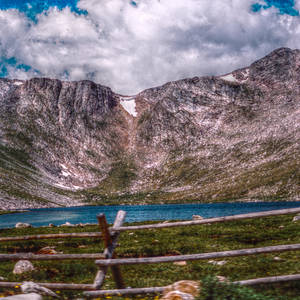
point(108, 258)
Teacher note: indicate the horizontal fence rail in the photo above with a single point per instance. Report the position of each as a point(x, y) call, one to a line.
point(128, 291)
point(272, 279)
point(202, 256)
point(157, 290)
point(51, 236)
point(31, 256)
point(55, 286)
point(212, 220)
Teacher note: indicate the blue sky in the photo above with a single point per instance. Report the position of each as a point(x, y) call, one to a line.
point(33, 7)
point(131, 45)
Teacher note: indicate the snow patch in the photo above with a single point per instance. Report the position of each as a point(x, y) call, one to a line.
point(229, 77)
point(72, 187)
point(18, 82)
point(245, 75)
point(65, 172)
point(128, 104)
point(246, 72)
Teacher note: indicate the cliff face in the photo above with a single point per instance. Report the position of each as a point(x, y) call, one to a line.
point(205, 138)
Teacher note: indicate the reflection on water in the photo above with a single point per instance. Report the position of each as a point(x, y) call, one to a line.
point(87, 214)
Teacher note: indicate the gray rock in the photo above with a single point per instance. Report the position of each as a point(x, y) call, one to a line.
point(32, 287)
point(23, 225)
point(31, 296)
point(197, 217)
point(23, 266)
point(217, 262)
point(296, 218)
point(67, 224)
point(178, 296)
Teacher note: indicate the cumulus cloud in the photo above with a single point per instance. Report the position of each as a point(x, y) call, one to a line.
point(132, 46)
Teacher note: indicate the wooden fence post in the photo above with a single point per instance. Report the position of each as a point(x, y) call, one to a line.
point(110, 242)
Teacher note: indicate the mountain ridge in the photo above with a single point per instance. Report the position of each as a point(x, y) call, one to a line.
point(213, 138)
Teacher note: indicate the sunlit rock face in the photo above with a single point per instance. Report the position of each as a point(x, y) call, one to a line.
point(231, 137)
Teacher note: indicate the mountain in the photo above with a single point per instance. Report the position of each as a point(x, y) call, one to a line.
point(218, 138)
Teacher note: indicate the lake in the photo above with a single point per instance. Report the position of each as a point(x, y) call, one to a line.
point(87, 214)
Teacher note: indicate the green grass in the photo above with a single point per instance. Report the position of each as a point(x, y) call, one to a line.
point(182, 240)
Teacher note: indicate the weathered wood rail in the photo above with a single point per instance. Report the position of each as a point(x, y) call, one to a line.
point(51, 236)
point(202, 256)
point(108, 258)
point(211, 220)
point(31, 256)
point(157, 290)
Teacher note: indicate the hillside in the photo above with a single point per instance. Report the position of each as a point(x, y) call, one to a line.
point(219, 138)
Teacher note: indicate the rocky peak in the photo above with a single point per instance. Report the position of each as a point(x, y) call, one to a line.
point(234, 136)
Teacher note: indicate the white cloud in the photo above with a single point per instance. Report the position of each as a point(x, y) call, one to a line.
point(131, 48)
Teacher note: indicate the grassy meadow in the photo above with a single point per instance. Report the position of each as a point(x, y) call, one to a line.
point(241, 234)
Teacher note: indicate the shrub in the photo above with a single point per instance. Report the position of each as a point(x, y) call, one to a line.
point(213, 289)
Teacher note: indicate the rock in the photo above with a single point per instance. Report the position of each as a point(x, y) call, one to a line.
point(23, 225)
point(217, 262)
point(67, 224)
point(277, 258)
point(31, 296)
point(47, 250)
point(51, 225)
point(82, 246)
point(32, 287)
point(177, 295)
point(222, 278)
point(197, 217)
point(180, 263)
point(23, 266)
point(185, 286)
point(296, 218)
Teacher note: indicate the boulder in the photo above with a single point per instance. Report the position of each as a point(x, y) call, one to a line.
point(184, 286)
point(23, 225)
point(31, 296)
point(23, 266)
point(221, 278)
point(47, 250)
point(67, 224)
point(217, 262)
point(32, 287)
point(177, 295)
point(197, 218)
point(180, 263)
point(296, 218)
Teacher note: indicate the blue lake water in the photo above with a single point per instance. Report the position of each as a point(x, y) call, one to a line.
point(87, 214)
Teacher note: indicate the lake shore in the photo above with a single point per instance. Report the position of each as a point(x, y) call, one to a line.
point(138, 213)
point(6, 212)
